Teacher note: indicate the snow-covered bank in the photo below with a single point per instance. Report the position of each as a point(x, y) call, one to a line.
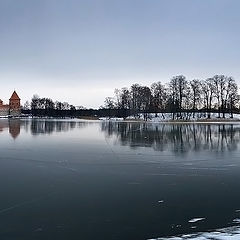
point(231, 233)
point(168, 117)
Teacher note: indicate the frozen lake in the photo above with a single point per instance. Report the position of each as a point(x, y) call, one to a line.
point(63, 179)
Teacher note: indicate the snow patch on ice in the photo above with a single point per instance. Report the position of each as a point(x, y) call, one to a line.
point(196, 220)
point(231, 233)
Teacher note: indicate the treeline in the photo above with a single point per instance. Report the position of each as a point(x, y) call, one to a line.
point(179, 96)
point(47, 107)
point(42, 107)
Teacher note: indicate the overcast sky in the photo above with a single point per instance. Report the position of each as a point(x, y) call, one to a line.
point(80, 51)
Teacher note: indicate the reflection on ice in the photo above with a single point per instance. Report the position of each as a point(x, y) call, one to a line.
point(232, 233)
point(13, 126)
point(51, 126)
point(39, 126)
point(178, 138)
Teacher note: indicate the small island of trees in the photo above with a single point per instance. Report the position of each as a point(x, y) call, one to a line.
point(180, 97)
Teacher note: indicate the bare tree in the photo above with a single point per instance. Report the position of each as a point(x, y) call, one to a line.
point(159, 96)
point(179, 89)
point(145, 100)
point(135, 98)
point(208, 94)
point(27, 106)
point(109, 103)
point(232, 95)
point(219, 90)
point(123, 98)
point(195, 94)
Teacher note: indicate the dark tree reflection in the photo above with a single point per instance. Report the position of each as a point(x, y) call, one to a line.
point(37, 127)
point(179, 138)
point(48, 127)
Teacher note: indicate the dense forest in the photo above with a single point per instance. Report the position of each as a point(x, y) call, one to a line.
point(180, 97)
point(217, 94)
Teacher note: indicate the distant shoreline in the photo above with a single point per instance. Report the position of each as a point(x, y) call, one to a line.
point(220, 120)
point(174, 121)
point(169, 121)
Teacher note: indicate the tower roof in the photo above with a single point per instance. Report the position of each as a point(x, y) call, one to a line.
point(14, 96)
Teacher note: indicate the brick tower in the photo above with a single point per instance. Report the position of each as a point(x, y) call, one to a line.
point(14, 105)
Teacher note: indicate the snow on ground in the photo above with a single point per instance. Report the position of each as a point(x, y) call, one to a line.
point(231, 233)
point(162, 117)
point(165, 117)
point(110, 119)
